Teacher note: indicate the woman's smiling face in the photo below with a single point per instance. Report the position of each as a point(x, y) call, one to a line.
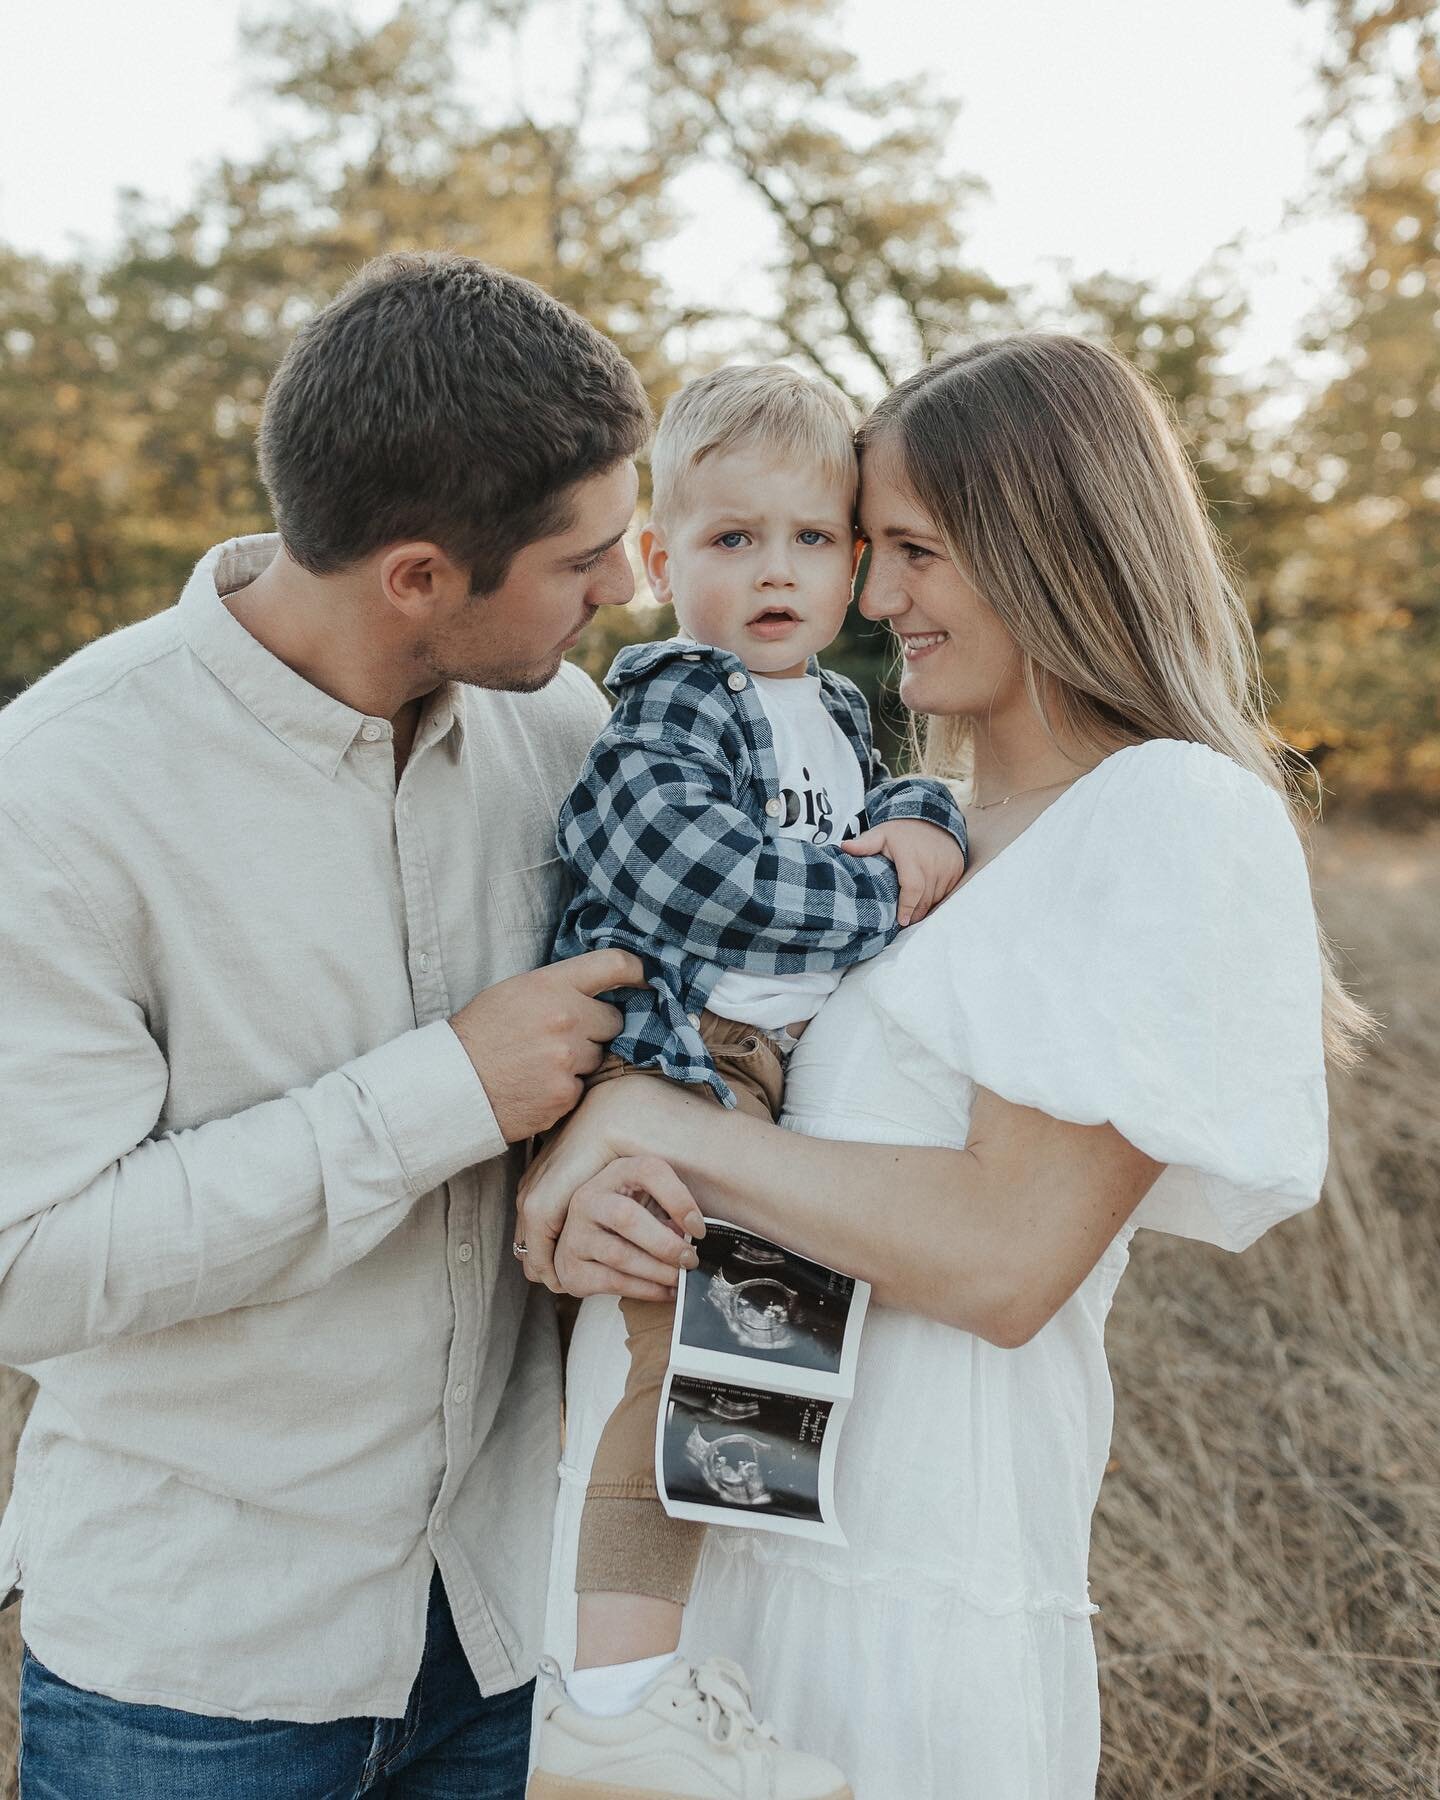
point(958, 657)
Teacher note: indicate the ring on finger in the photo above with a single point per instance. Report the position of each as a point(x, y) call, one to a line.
point(518, 1249)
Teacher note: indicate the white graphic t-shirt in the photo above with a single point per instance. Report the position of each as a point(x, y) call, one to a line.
point(822, 788)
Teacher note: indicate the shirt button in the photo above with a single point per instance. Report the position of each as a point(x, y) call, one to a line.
point(424, 960)
point(772, 808)
point(735, 682)
point(464, 1253)
point(371, 731)
point(461, 1394)
point(694, 1019)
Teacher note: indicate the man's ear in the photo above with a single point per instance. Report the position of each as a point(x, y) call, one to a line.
point(420, 580)
point(656, 559)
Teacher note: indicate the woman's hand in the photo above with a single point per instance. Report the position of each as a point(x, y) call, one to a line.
point(621, 1234)
point(611, 1151)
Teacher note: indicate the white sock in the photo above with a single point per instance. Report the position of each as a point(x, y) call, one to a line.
point(615, 1688)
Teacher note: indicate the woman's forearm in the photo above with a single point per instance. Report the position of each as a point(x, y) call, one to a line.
point(992, 1238)
point(936, 1253)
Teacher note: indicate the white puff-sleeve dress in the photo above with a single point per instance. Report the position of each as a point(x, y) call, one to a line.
point(1145, 953)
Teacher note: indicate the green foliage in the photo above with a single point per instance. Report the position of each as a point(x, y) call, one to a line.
point(1361, 661)
point(871, 279)
point(131, 385)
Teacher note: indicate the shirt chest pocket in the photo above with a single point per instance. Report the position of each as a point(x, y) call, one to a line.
point(525, 906)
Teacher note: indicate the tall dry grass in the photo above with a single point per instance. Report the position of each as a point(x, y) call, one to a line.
point(1267, 1552)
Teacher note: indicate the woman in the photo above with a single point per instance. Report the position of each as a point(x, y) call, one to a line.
point(1117, 1020)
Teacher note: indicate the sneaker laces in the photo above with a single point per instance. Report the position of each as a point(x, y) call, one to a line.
point(725, 1690)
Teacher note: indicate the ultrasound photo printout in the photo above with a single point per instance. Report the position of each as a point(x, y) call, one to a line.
point(750, 1298)
point(739, 1448)
point(762, 1370)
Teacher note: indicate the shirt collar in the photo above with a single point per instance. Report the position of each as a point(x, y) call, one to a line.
point(313, 723)
point(637, 662)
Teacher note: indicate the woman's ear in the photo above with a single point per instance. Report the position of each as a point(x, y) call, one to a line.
point(657, 563)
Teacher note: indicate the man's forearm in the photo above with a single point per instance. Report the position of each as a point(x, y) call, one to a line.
point(260, 1206)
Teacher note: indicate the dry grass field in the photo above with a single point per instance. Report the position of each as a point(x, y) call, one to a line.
point(1267, 1553)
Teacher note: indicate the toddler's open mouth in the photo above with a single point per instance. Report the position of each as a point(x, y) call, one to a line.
point(773, 622)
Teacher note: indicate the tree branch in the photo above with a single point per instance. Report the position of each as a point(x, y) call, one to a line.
point(751, 171)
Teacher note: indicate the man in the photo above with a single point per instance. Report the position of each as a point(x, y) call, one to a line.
point(276, 875)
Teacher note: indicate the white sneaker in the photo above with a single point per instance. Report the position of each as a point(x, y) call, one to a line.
point(692, 1737)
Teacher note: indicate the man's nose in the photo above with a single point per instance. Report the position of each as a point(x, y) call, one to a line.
point(615, 580)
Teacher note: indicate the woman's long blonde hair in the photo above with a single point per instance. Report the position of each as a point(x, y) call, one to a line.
point(1058, 483)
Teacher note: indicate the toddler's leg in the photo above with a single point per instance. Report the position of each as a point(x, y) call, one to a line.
point(634, 1718)
point(636, 1563)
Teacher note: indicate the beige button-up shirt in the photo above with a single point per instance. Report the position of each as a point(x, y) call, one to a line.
point(255, 1213)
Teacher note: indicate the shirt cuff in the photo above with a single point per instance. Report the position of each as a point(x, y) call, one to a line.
point(437, 1112)
point(918, 797)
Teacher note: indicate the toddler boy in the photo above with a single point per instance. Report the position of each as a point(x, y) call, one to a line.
point(706, 835)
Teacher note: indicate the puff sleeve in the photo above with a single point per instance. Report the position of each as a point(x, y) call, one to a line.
point(1146, 954)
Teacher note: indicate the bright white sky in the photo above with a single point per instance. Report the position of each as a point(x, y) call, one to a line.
point(1138, 136)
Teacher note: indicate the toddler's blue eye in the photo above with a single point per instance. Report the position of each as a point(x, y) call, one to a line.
point(814, 537)
point(731, 540)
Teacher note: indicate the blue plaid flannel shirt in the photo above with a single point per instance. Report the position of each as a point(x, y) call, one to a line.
point(671, 836)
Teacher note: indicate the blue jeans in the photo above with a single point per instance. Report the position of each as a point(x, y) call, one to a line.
point(451, 1744)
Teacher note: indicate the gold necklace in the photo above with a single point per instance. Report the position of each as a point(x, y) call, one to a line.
point(1021, 793)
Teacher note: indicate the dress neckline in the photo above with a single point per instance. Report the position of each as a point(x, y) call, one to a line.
point(1055, 805)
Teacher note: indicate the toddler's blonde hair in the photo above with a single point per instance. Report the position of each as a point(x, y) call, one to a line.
point(743, 406)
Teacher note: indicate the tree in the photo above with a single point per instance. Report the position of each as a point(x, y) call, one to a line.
point(870, 274)
point(132, 387)
point(1181, 341)
point(1366, 649)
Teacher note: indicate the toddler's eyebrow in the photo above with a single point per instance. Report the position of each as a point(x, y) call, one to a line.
point(805, 522)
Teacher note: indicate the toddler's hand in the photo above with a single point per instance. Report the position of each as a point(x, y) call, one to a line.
point(927, 859)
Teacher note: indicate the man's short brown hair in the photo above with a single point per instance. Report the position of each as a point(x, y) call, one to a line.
point(439, 398)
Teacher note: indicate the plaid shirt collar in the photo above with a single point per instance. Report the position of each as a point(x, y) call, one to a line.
point(638, 662)
point(674, 676)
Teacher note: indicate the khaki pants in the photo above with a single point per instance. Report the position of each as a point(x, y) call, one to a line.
point(628, 1542)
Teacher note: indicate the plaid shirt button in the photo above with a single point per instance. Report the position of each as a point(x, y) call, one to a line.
point(772, 808)
point(735, 682)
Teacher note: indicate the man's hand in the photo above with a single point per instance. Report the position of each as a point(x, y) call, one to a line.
point(927, 859)
point(532, 1038)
